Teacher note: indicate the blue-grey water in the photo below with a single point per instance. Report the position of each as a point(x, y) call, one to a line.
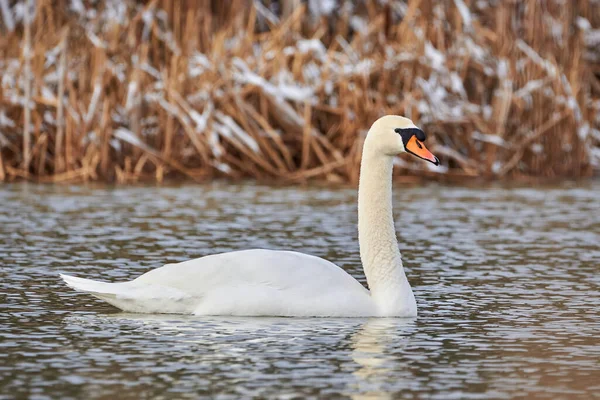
point(507, 282)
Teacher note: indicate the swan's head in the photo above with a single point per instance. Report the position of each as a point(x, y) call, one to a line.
point(393, 135)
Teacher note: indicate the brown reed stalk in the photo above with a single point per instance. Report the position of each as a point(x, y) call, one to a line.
point(59, 158)
point(2, 172)
point(27, 49)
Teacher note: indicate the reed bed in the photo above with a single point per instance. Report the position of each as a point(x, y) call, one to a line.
point(129, 91)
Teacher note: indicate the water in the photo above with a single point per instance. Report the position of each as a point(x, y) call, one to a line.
point(507, 283)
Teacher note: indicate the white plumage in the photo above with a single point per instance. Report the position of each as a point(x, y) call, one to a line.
point(247, 282)
point(284, 283)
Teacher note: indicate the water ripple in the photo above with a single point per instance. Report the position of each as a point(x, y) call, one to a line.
point(507, 281)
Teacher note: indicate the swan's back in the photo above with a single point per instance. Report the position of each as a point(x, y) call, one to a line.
point(247, 282)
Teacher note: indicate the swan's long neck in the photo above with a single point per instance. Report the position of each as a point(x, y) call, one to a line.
point(377, 236)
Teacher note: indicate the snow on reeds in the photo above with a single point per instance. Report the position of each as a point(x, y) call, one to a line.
point(285, 90)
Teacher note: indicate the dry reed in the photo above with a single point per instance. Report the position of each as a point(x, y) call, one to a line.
point(279, 91)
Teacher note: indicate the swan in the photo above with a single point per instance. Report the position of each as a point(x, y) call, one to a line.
point(261, 282)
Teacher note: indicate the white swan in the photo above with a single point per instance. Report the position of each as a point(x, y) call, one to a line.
point(285, 283)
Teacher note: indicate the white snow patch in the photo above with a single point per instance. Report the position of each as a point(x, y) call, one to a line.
point(502, 69)
point(148, 18)
point(312, 46)
point(456, 84)
point(475, 50)
point(487, 112)
point(7, 16)
point(583, 131)
point(320, 8)
point(132, 97)
point(439, 169)
point(287, 51)
point(49, 118)
point(5, 121)
point(115, 11)
point(328, 88)
point(19, 11)
point(96, 41)
point(592, 38)
point(312, 73)
point(286, 91)
point(348, 50)
point(583, 24)
point(484, 137)
point(48, 94)
point(234, 128)
point(150, 70)
point(128, 136)
point(359, 24)
point(595, 157)
point(436, 58)
point(529, 87)
point(198, 64)
point(536, 58)
point(537, 148)
point(363, 67)
point(464, 13)
point(51, 56)
point(496, 166)
point(77, 7)
point(265, 12)
point(221, 166)
point(3, 140)
point(215, 146)
point(93, 102)
point(201, 120)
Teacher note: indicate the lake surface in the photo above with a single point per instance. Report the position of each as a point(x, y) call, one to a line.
point(507, 282)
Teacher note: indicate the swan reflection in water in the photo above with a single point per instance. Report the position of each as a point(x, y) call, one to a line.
point(294, 354)
point(375, 347)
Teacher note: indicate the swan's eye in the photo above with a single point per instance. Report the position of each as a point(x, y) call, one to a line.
point(408, 133)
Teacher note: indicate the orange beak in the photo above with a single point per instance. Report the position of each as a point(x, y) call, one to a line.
point(414, 146)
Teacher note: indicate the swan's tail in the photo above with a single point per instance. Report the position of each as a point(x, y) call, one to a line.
point(102, 290)
point(86, 285)
point(132, 297)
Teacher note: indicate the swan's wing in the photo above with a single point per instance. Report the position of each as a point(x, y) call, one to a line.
point(281, 270)
point(266, 282)
point(249, 282)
